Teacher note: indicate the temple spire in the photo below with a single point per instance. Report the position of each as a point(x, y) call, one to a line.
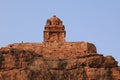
point(54, 30)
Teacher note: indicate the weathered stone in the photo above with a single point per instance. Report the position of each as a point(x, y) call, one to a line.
point(55, 59)
point(54, 30)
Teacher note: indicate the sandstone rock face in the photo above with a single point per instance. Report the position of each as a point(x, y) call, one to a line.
point(55, 59)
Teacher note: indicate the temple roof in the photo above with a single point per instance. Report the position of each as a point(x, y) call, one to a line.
point(54, 21)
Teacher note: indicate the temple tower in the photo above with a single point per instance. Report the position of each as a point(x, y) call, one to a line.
point(54, 30)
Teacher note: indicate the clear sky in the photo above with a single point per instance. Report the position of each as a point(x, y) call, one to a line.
point(94, 21)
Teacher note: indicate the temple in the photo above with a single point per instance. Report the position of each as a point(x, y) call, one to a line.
point(54, 30)
point(56, 59)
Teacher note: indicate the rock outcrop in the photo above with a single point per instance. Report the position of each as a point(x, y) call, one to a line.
point(56, 59)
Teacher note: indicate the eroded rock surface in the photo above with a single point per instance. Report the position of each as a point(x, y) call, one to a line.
point(56, 61)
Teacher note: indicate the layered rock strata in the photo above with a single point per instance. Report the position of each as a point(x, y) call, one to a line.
point(56, 61)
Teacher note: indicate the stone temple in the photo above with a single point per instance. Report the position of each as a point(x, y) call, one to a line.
point(54, 30)
point(56, 59)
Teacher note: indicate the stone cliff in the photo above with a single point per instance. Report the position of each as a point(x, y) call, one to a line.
point(55, 59)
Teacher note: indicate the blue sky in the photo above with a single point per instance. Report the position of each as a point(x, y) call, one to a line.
point(94, 21)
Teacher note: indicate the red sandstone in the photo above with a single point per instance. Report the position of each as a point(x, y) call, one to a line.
point(56, 59)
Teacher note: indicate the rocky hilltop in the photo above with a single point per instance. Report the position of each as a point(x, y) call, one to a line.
point(56, 59)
